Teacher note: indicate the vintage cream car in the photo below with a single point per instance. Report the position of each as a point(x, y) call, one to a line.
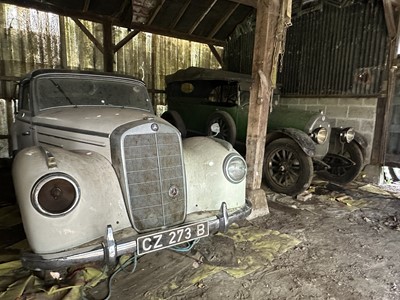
point(98, 175)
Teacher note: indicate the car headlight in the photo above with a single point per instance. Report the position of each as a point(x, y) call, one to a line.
point(347, 134)
point(55, 194)
point(235, 168)
point(320, 135)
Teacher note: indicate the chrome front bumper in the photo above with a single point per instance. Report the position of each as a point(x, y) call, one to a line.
point(109, 250)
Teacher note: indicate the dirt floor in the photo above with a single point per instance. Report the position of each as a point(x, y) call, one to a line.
point(333, 243)
point(345, 246)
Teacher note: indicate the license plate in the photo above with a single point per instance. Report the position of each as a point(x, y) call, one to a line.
point(168, 238)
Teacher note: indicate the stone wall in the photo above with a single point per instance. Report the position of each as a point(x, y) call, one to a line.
point(359, 113)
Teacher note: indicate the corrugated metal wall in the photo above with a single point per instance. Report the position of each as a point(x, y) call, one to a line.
point(336, 51)
point(333, 51)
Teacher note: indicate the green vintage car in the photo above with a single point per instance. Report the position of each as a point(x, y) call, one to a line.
point(215, 103)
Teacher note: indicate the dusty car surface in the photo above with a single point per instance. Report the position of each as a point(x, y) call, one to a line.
point(215, 103)
point(98, 175)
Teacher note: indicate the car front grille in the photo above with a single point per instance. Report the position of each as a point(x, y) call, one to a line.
point(154, 179)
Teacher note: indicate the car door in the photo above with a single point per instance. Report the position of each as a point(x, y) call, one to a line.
point(23, 130)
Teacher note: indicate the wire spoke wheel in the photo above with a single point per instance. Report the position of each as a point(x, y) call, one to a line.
point(221, 125)
point(287, 169)
point(344, 166)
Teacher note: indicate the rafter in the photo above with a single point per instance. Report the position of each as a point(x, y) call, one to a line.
point(177, 34)
point(180, 14)
point(202, 17)
point(223, 21)
point(252, 3)
point(155, 13)
point(86, 6)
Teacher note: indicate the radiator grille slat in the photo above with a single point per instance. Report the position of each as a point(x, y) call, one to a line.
point(153, 165)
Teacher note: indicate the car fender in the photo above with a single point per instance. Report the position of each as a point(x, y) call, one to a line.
point(101, 202)
point(335, 143)
point(302, 139)
point(207, 187)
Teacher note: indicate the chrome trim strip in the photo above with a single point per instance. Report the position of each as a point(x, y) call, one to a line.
point(65, 259)
point(73, 140)
point(76, 130)
point(50, 159)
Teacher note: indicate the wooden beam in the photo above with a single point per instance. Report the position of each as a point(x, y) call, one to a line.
point(155, 13)
point(116, 22)
point(223, 21)
point(197, 23)
point(126, 39)
point(108, 45)
point(177, 34)
point(390, 19)
point(216, 54)
point(86, 6)
point(63, 43)
point(89, 34)
point(268, 12)
point(252, 3)
point(180, 14)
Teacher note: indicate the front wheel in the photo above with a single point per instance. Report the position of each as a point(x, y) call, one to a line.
point(345, 166)
point(175, 119)
point(287, 169)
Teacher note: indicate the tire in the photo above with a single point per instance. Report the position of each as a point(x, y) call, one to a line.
point(287, 169)
point(341, 171)
point(175, 120)
point(226, 124)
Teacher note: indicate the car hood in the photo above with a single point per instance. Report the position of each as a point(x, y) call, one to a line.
point(95, 119)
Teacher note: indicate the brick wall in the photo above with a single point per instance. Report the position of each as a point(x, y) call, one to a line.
point(359, 113)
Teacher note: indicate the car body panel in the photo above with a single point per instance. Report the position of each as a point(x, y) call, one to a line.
point(199, 100)
point(131, 174)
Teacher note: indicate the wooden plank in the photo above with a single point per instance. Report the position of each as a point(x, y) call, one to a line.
point(260, 94)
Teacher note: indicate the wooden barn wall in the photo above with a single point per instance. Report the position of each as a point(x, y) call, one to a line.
point(329, 52)
point(31, 39)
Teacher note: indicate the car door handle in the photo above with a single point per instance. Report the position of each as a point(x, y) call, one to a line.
point(26, 133)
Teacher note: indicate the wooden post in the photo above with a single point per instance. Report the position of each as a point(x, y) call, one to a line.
point(108, 47)
point(63, 44)
point(268, 12)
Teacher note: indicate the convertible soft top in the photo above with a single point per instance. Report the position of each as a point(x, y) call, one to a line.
point(194, 73)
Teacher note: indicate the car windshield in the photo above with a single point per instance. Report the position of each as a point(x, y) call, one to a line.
point(54, 91)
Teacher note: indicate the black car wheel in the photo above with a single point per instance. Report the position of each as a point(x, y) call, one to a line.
point(175, 119)
point(227, 127)
point(287, 169)
point(345, 167)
